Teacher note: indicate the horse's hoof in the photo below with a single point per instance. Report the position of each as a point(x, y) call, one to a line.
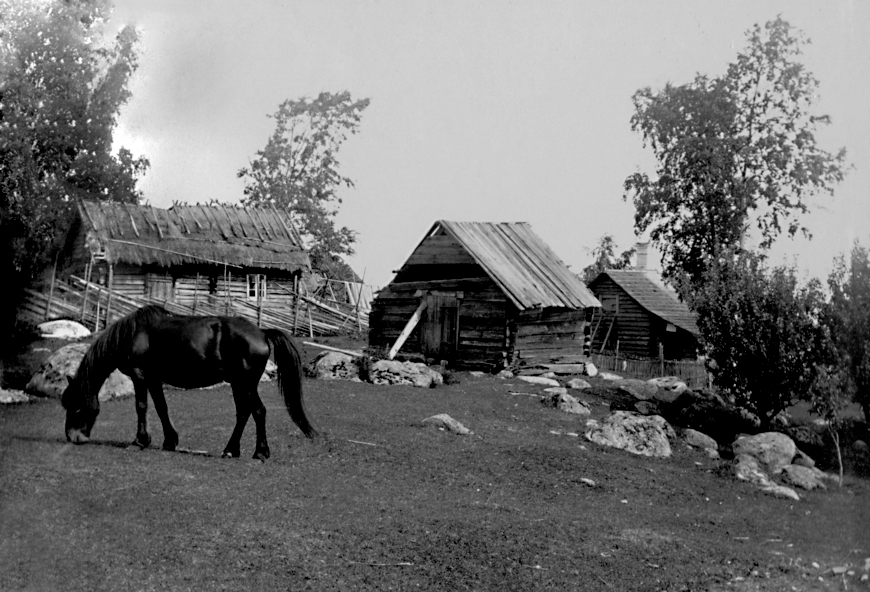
point(170, 446)
point(261, 455)
point(228, 454)
point(77, 437)
point(139, 443)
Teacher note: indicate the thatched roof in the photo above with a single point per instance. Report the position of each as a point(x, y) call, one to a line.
point(183, 234)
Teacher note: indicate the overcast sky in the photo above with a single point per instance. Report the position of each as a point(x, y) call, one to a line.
point(480, 111)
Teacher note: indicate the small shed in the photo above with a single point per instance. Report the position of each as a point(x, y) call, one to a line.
point(643, 315)
point(483, 294)
point(186, 252)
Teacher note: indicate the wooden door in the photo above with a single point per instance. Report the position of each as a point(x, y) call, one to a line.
point(439, 332)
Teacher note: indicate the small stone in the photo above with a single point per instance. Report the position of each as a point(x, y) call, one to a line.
point(566, 403)
point(590, 369)
point(746, 468)
point(646, 408)
point(699, 439)
point(476, 373)
point(859, 446)
point(803, 477)
point(781, 491)
point(587, 481)
point(63, 329)
point(839, 570)
point(669, 383)
point(505, 374)
point(609, 376)
point(578, 383)
point(802, 459)
point(445, 422)
point(539, 380)
point(556, 390)
point(11, 397)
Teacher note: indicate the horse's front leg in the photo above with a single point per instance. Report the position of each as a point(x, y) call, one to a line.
point(170, 435)
point(243, 412)
point(143, 439)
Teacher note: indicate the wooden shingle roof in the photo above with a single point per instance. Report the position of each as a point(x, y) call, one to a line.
point(214, 234)
point(521, 264)
point(649, 291)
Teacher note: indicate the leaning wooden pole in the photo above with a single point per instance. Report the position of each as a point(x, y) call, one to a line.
point(406, 332)
point(195, 292)
point(51, 290)
point(109, 294)
point(88, 268)
point(296, 283)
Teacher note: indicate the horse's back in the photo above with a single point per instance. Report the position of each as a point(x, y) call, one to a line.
point(195, 351)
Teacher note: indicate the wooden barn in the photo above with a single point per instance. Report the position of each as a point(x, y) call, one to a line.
point(187, 253)
point(482, 294)
point(640, 317)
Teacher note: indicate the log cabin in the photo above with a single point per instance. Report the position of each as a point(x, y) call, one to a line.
point(479, 294)
point(641, 317)
point(209, 253)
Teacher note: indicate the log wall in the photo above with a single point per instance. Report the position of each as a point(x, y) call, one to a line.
point(548, 334)
point(633, 325)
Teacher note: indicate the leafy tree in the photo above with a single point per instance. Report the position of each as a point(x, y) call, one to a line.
point(849, 321)
point(605, 258)
point(762, 331)
point(732, 151)
point(61, 89)
point(299, 170)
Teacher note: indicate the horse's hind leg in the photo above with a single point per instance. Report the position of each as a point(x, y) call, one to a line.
point(243, 411)
point(170, 436)
point(261, 451)
point(143, 438)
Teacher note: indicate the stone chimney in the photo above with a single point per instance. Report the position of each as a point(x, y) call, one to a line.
point(642, 250)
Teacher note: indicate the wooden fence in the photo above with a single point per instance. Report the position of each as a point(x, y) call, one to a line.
point(95, 307)
point(692, 372)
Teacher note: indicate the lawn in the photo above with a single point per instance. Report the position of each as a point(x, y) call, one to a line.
point(380, 502)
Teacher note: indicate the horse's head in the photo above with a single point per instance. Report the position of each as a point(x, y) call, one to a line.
point(81, 414)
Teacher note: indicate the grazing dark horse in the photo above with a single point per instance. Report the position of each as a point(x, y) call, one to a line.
point(153, 347)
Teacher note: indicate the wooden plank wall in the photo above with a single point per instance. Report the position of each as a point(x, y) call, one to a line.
point(482, 326)
point(634, 327)
point(548, 334)
point(390, 312)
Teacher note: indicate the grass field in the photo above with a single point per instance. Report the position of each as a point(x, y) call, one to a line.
point(380, 502)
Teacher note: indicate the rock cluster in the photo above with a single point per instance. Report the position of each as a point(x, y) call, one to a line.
point(638, 434)
point(55, 373)
point(564, 402)
point(12, 396)
point(759, 458)
point(332, 365)
point(395, 372)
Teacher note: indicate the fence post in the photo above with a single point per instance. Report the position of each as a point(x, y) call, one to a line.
point(662, 357)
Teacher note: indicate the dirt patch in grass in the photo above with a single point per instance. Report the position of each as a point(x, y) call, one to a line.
point(381, 502)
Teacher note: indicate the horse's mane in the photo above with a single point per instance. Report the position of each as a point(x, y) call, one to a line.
point(101, 358)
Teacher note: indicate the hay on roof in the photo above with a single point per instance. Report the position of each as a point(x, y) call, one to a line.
point(185, 234)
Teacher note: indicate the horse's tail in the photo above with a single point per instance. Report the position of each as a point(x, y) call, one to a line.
point(289, 365)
